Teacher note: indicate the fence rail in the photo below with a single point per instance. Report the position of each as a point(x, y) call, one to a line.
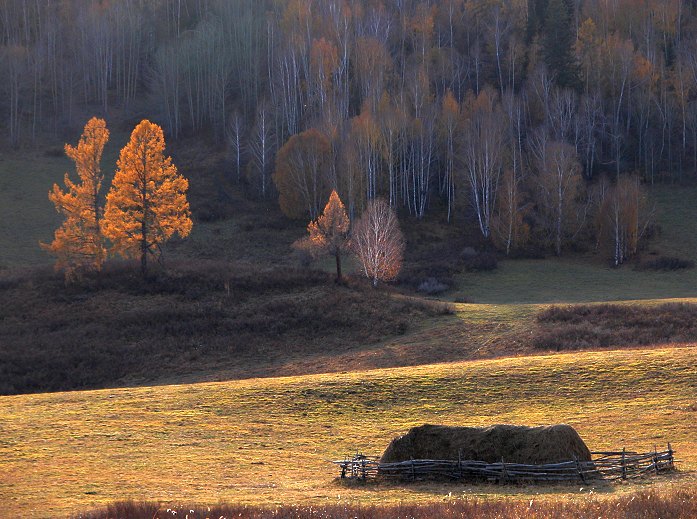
point(605, 465)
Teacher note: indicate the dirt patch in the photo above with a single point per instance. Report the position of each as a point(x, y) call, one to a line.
point(512, 443)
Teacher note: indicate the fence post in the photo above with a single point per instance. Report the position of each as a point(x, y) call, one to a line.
point(363, 469)
point(504, 476)
point(578, 469)
point(413, 471)
point(670, 455)
point(655, 459)
point(459, 463)
point(624, 465)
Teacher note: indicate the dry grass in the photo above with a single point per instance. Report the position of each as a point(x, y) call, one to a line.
point(575, 327)
point(679, 504)
point(266, 441)
point(197, 320)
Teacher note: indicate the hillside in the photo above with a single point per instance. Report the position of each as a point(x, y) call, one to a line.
point(198, 321)
point(267, 441)
point(528, 169)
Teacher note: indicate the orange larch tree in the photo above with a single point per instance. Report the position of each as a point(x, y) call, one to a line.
point(78, 243)
point(328, 234)
point(147, 203)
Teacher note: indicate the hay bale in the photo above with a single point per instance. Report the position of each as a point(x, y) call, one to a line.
point(512, 443)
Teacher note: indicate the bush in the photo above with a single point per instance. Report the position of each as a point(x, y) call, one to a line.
point(481, 262)
point(442, 271)
point(54, 151)
point(431, 286)
point(666, 263)
point(468, 253)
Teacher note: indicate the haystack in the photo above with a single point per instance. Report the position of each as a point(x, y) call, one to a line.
point(512, 443)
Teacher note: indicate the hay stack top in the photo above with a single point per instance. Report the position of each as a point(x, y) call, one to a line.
point(512, 443)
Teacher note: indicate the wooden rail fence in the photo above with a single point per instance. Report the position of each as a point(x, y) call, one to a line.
point(605, 465)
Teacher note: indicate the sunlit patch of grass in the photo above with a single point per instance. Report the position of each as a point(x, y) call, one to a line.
point(267, 441)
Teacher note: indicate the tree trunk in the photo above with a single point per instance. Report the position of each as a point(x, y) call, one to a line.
point(144, 261)
point(144, 230)
point(143, 251)
point(338, 266)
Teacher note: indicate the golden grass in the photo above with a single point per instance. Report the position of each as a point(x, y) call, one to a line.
point(266, 441)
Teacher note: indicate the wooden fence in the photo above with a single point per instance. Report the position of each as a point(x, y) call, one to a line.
point(605, 465)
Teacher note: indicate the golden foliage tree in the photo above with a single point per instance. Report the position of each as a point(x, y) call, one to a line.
point(302, 165)
point(328, 234)
point(378, 242)
point(147, 203)
point(78, 243)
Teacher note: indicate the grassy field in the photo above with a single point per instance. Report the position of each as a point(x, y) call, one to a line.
point(571, 280)
point(267, 441)
point(589, 278)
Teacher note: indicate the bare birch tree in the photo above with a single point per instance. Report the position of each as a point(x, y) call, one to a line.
point(482, 154)
point(558, 182)
point(378, 242)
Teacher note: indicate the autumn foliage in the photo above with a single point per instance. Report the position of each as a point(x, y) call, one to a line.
point(378, 242)
point(621, 219)
point(301, 177)
point(78, 243)
point(328, 234)
point(147, 203)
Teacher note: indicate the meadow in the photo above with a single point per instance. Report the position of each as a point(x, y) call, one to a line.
point(269, 441)
point(163, 431)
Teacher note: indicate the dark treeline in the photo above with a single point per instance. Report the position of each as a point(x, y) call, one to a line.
point(542, 117)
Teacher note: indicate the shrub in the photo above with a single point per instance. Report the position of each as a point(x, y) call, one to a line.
point(431, 286)
point(666, 263)
point(481, 262)
point(54, 151)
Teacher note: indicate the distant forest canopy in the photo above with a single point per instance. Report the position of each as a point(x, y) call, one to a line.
point(512, 109)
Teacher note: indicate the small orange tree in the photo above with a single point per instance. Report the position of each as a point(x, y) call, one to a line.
point(329, 233)
point(378, 242)
point(147, 203)
point(78, 243)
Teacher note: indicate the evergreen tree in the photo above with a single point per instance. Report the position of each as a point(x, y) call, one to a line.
point(558, 45)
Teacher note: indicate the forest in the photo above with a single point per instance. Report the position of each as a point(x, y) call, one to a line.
point(537, 123)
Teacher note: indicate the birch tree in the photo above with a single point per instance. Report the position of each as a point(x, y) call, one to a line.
point(378, 242)
point(483, 134)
